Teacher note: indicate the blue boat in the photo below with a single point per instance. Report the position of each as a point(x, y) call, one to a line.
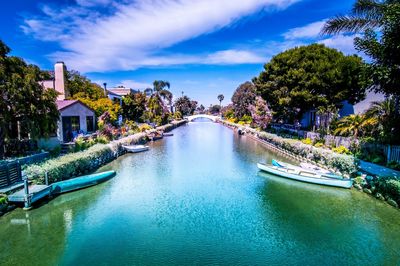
point(81, 182)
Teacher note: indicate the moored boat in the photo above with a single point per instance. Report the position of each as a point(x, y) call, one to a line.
point(135, 148)
point(305, 175)
point(168, 134)
point(81, 182)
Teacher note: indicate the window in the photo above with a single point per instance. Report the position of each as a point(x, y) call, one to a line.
point(75, 123)
point(89, 124)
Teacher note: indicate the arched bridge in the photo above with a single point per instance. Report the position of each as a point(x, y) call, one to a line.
point(210, 117)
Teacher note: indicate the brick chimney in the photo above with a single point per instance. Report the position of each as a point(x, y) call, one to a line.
point(60, 82)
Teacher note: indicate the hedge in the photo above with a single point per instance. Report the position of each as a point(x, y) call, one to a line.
point(79, 163)
point(345, 164)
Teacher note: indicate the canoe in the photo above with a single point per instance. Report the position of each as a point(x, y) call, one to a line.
point(308, 167)
point(168, 134)
point(81, 182)
point(305, 175)
point(136, 148)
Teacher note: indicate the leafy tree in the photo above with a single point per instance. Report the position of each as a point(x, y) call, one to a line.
point(185, 106)
point(80, 87)
point(220, 99)
point(24, 103)
point(260, 113)
point(379, 24)
point(243, 97)
point(102, 105)
point(308, 77)
point(134, 106)
point(214, 109)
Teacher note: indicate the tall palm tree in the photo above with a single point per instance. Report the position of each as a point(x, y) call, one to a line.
point(220, 99)
point(352, 125)
point(160, 93)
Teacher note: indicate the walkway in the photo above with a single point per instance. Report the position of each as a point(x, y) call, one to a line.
point(378, 170)
point(211, 117)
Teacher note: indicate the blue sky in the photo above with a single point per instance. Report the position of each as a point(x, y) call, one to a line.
point(203, 48)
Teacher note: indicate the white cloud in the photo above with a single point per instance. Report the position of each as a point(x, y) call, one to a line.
point(134, 34)
point(344, 43)
point(308, 31)
point(135, 84)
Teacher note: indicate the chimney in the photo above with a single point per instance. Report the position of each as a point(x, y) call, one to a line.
point(60, 81)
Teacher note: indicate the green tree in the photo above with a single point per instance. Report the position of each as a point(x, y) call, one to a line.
point(379, 23)
point(80, 87)
point(243, 97)
point(308, 77)
point(24, 103)
point(134, 106)
point(185, 106)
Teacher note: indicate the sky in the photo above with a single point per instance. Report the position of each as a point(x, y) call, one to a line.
point(202, 47)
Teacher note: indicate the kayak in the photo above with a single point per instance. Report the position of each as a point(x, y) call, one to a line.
point(81, 182)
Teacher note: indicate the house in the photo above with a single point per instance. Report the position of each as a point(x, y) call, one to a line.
point(311, 118)
point(116, 94)
point(75, 116)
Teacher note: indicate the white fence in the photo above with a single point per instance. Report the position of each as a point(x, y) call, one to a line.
point(392, 153)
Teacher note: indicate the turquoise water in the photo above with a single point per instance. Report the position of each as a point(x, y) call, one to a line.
point(197, 198)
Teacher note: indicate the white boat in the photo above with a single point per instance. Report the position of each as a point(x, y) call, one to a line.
point(305, 175)
point(315, 168)
point(168, 134)
point(136, 148)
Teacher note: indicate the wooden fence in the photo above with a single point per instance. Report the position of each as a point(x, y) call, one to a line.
point(392, 153)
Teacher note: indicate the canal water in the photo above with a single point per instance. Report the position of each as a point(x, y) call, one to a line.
point(198, 198)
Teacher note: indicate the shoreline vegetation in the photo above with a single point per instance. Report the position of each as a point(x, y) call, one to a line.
point(84, 162)
point(382, 188)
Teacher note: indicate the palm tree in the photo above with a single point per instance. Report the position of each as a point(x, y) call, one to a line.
point(160, 93)
point(352, 125)
point(366, 14)
point(220, 99)
point(382, 117)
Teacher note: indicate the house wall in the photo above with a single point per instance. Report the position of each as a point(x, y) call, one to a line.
point(77, 109)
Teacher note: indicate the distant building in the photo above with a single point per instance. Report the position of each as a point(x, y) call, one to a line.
point(116, 94)
point(75, 116)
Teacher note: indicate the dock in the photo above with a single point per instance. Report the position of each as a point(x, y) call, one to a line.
point(30, 194)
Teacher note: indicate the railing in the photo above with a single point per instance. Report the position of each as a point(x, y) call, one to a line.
point(10, 173)
point(392, 153)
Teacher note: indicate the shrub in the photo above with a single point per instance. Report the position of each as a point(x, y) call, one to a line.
point(3, 200)
point(102, 139)
point(144, 127)
point(307, 141)
point(55, 151)
point(394, 165)
point(341, 150)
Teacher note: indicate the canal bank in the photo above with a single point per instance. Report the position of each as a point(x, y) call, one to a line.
point(198, 198)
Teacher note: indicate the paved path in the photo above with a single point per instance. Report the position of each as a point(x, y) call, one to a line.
point(378, 170)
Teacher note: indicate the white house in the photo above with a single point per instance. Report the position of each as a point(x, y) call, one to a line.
point(116, 94)
point(75, 116)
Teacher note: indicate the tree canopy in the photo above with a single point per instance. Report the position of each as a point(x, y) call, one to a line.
point(80, 86)
point(185, 106)
point(308, 77)
point(134, 106)
point(243, 97)
point(26, 108)
point(379, 23)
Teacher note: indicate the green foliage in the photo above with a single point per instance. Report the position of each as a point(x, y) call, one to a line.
point(246, 119)
point(342, 150)
point(319, 145)
point(228, 112)
point(185, 105)
point(102, 139)
point(178, 115)
point(23, 100)
point(390, 187)
point(310, 76)
point(102, 105)
point(242, 98)
point(81, 87)
point(144, 127)
point(394, 165)
point(134, 106)
point(3, 200)
point(55, 151)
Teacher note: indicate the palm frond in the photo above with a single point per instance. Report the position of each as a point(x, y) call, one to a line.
point(342, 24)
point(372, 9)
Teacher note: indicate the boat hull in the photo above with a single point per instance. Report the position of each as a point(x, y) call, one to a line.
point(135, 149)
point(343, 183)
point(81, 182)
